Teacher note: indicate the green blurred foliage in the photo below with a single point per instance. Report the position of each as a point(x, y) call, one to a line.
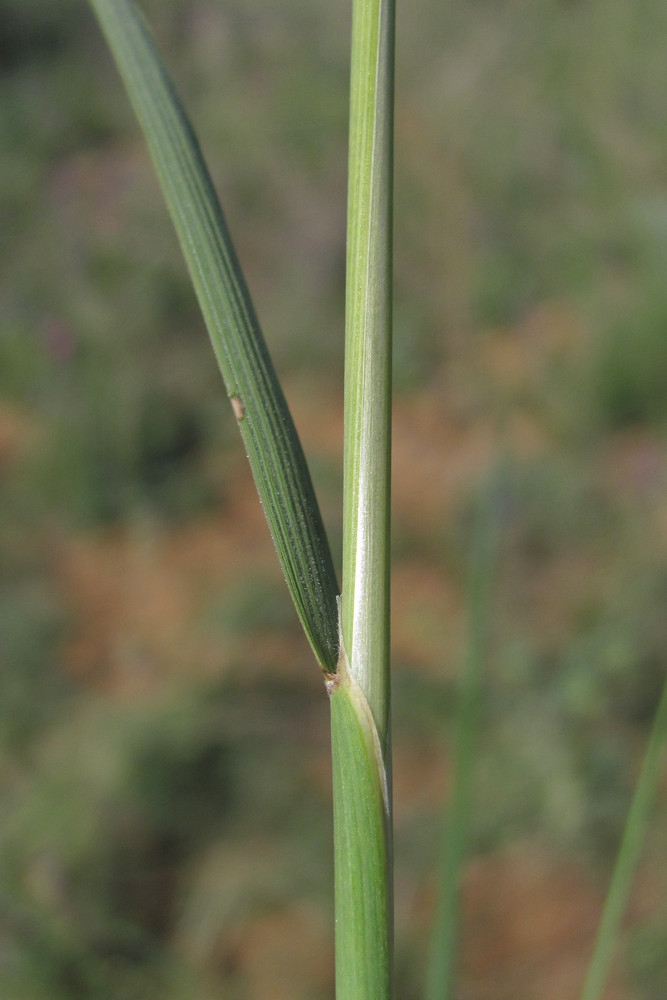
point(146, 838)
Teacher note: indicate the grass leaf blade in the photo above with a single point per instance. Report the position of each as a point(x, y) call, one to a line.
point(274, 451)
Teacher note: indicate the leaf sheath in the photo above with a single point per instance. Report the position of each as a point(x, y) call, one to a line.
point(361, 844)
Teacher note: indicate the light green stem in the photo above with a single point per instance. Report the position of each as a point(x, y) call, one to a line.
point(360, 710)
point(366, 488)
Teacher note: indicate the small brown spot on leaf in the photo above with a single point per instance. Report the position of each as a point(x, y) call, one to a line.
point(237, 407)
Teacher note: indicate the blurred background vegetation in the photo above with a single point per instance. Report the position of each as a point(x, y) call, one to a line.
point(164, 751)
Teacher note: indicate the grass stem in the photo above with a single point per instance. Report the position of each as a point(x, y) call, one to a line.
point(366, 485)
point(360, 708)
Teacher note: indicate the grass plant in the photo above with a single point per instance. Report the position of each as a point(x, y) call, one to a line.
point(348, 631)
point(353, 651)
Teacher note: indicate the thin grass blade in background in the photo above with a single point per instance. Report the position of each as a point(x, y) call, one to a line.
point(443, 958)
point(628, 856)
point(274, 451)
